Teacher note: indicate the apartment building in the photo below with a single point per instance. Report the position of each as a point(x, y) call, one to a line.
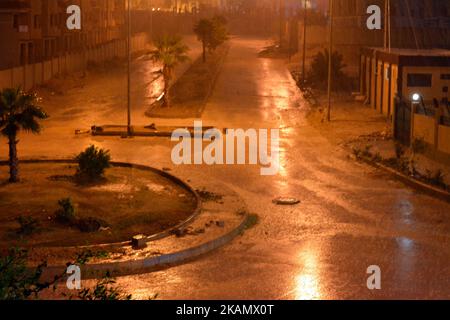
point(415, 24)
point(35, 30)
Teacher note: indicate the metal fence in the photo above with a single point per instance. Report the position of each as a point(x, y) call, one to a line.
point(445, 121)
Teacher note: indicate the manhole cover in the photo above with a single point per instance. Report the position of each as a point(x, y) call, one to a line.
point(286, 201)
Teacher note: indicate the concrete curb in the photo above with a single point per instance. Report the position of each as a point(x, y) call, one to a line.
point(148, 264)
point(172, 178)
point(425, 188)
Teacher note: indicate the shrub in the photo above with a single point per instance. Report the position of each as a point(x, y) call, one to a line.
point(399, 150)
point(438, 179)
point(104, 290)
point(66, 212)
point(418, 146)
point(93, 162)
point(367, 151)
point(377, 157)
point(318, 74)
point(356, 152)
point(28, 225)
point(17, 281)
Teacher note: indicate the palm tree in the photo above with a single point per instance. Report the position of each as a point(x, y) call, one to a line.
point(18, 111)
point(170, 51)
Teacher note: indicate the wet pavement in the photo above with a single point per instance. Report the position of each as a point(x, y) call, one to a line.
point(351, 216)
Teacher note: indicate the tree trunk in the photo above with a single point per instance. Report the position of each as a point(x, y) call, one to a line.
point(13, 160)
point(204, 51)
point(167, 88)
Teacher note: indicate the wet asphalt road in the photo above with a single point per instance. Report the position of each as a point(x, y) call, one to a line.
point(351, 216)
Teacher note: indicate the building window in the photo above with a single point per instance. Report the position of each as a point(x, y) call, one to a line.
point(23, 53)
point(423, 80)
point(16, 22)
point(37, 21)
point(445, 76)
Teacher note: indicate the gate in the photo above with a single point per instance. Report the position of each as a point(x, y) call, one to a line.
point(402, 122)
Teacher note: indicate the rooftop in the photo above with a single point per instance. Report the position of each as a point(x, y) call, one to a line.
point(412, 52)
point(8, 5)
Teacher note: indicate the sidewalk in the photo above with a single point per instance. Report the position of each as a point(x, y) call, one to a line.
point(357, 127)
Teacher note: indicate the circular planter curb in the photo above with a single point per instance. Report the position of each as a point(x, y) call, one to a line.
point(141, 265)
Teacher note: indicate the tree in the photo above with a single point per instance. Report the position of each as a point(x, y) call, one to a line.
point(211, 32)
point(170, 51)
point(219, 32)
point(318, 74)
point(18, 111)
point(204, 29)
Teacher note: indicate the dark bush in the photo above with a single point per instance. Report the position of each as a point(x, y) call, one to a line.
point(318, 74)
point(20, 282)
point(66, 213)
point(92, 163)
point(28, 225)
point(89, 225)
point(17, 281)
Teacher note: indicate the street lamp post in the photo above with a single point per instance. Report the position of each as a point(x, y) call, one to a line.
point(304, 43)
point(330, 59)
point(281, 22)
point(129, 131)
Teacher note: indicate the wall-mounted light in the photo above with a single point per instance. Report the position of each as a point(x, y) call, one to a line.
point(416, 97)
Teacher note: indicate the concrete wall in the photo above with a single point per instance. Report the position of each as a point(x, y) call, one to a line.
point(424, 128)
point(444, 139)
point(433, 133)
point(31, 75)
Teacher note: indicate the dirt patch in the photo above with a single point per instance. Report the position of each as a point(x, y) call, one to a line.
point(129, 201)
point(190, 93)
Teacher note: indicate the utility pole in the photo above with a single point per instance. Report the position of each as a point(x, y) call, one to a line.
point(151, 20)
point(387, 25)
point(129, 131)
point(330, 59)
point(281, 22)
point(305, 14)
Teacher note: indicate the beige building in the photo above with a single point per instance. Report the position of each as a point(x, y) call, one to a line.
point(410, 87)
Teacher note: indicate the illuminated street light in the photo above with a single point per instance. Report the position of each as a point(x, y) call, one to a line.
point(416, 97)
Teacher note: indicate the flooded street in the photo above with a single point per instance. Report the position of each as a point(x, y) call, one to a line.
point(351, 216)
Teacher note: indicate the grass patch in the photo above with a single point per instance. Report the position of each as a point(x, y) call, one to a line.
point(129, 202)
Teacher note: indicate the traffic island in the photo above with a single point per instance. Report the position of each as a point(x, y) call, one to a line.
point(191, 91)
point(211, 230)
point(213, 224)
